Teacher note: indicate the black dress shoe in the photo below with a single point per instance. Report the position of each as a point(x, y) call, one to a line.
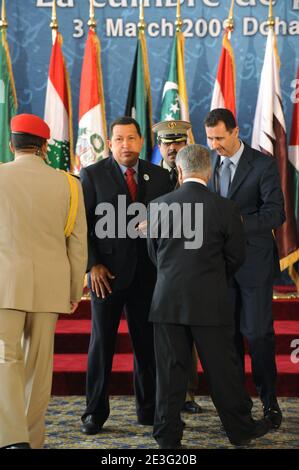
point(262, 426)
point(91, 425)
point(192, 407)
point(18, 445)
point(274, 415)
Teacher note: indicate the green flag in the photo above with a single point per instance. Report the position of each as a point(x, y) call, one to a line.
point(175, 98)
point(139, 102)
point(8, 100)
point(171, 109)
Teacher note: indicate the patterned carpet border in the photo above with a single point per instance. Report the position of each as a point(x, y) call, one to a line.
point(122, 432)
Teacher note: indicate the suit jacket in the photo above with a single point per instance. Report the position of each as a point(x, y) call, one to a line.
point(191, 286)
point(103, 182)
point(41, 271)
point(256, 190)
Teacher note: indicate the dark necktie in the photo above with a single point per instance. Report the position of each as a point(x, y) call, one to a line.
point(225, 177)
point(132, 185)
point(173, 176)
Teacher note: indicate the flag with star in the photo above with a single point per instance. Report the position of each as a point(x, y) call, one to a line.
point(139, 100)
point(58, 110)
point(8, 98)
point(175, 97)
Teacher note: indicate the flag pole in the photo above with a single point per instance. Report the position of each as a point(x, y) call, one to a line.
point(3, 28)
point(92, 22)
point(54, 23)
point(271, 20)
point(141, 23)
point(3, 21)
point(142, 42)
point(229, 22)
point(179, 21)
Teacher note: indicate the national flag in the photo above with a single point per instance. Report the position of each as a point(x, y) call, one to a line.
point(92, 130)
point(269, 136)
point(8, 98)
point(58, 110)
point(224, 93)
point(175, 96)
point(294, 147)
point(139, 100)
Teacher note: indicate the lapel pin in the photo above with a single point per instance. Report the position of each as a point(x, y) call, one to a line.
point(146, 177)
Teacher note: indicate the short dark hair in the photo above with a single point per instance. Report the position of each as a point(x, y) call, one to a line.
point(221, 114)
point(125, 121)
point(25, 141)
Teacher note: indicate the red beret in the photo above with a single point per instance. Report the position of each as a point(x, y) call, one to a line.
point(30, 124)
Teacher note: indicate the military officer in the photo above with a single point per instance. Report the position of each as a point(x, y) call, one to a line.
point(43, 257)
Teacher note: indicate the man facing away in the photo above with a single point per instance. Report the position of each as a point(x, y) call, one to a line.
point(172, 137)
point(43, 256)
point(190, 301)
point(251, 180)
point(121, 274)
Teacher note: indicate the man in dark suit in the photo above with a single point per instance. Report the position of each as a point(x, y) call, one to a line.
point(172, 137)
point(251, 179)
point(121, 274)
point(190, 300)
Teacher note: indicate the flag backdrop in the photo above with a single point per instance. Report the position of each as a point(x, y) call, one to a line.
point(224, 93)
point(294, 149)
point(139, 101)
point(175, 96)
point(92, 131)
point(269, 136)
point(8, 98)
point(58, 110)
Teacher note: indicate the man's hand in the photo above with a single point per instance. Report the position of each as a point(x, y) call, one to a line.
point(142, 228)
point(99, 277)
point(74, 306)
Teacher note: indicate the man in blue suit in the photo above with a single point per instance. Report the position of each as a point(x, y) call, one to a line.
point(251, 179)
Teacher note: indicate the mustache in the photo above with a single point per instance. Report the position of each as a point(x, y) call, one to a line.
point(172, 152)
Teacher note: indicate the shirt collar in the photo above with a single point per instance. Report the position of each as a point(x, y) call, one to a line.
point(195, 180)
point(236, 157)
point(166, 166)
point(124, 168)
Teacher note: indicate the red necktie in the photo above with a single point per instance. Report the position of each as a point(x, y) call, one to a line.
point(132, 186)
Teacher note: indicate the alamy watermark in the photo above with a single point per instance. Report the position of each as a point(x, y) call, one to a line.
point(295, 353)
point(165, 221)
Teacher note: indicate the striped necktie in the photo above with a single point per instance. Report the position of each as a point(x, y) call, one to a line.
point(132, 185)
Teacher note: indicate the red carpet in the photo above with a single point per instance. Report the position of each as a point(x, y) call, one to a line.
point(72, 338)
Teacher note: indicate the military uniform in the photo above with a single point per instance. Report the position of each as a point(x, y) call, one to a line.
point(42, 272)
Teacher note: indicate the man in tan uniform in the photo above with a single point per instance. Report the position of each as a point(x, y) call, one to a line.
point(172, 137)
point(42, 272)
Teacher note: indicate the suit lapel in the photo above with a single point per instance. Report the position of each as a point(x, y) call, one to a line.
point(118, 177)
point(244, 167)
point(143, 177)
point(212, 183)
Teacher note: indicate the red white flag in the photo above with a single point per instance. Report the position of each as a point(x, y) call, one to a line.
point(58, 108)
point(269, 136)
point(92, 134)
point(224, 94)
